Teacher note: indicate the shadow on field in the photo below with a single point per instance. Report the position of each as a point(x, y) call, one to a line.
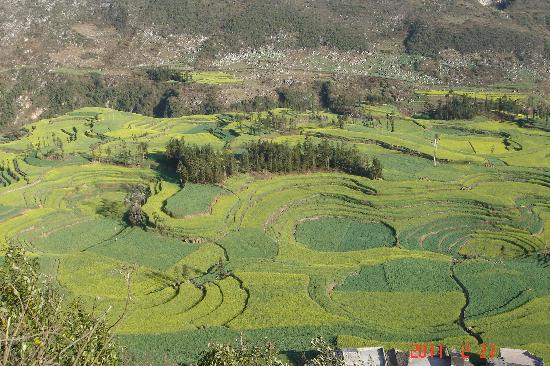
point(298, 357)
point(163, 168)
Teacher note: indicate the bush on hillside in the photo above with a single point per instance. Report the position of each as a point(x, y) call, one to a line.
point(38, 327)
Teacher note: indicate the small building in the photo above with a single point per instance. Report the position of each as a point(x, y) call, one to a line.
point(458, 360)
point(430, 361)
point(368, 356)
point(515, 357)
point(397, 358)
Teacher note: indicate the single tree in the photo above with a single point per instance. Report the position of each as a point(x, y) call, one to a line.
point(135, 199)
point(435, 144)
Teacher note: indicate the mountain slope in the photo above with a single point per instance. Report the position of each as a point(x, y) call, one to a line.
point(33, 30)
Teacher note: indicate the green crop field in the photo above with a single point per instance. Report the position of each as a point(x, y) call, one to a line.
point(288, 257)
point(479, 94)
point(338, 234)
point(213, 77)
point(192, 199)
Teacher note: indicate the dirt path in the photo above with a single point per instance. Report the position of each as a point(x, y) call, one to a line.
point(461, 322)
point(21, 188)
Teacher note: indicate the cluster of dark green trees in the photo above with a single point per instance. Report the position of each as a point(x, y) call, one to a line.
point(464, 107)
point(200, 164)
point(164, 73)
point(455, 107)
point(121, 153)
point(428, 38)
point(203, 164)
point(307, 156)
point(329, 96)
point(271, 122)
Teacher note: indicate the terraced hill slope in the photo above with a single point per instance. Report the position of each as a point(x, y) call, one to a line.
point(290, 257)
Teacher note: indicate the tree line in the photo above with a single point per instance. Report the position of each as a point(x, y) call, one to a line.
point(200, 164)
point(147, 93)
point(121, 153)
point(465, 107)
point(454, 107)
point(307, 156)
point(203, 164)
point(164, 73)
point(428, 38)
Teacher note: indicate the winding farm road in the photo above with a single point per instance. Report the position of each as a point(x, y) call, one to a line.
point(461, 322)
point(21, 188)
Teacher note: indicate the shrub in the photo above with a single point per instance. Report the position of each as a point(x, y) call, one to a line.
point(326, 354)
point(135, 199)
point(243, 355)
point(37, 327)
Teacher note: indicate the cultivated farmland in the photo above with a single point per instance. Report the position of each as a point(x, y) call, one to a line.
point(290, 256)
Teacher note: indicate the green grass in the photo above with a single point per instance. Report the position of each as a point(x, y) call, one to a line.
point(214, 77)
point(499, 286)
point(401, 316)
point(524, 327)
point(144, 248)
point(273, 296)
point(401, 276)
point(74, 237)
point(341, 235)
point(192, 199)
point(249, 243)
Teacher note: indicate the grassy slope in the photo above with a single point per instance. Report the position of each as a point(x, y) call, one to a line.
point(491, 203)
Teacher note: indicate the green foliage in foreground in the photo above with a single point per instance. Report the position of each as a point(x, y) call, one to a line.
point(243, 355)
point(341, 234)
point(326, 354)
point(192, 199)
point(251, 355)
point(38, 328)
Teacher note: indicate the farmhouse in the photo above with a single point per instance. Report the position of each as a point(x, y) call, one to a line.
point(376, 356)
point(429, 361)
point(515, 357)
point(371, 356)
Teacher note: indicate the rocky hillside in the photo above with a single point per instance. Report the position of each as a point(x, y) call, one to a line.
point(49, 46)
point(121, 33)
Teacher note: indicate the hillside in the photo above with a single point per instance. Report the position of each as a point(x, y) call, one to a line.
point(290, 256)
point(58, 55)
point(34, 30)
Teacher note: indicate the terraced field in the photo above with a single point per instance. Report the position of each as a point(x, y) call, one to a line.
point(359, 261)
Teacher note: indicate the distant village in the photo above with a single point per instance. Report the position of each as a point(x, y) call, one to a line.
point(377, 356)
